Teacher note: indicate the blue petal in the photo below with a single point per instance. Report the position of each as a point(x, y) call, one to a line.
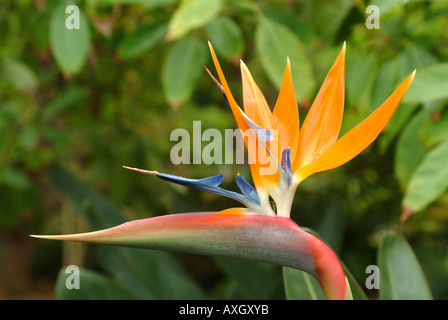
point(247, 189)
point(210, 182)
point(286, 164)
point(261, 133)
point(211, 185)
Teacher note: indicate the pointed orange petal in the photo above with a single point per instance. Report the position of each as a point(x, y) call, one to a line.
point(323, 122)
point(241, 122)
point(255, 105)
point(286, 114)
point(251, 141)
point(257, 109)
point(357, 139)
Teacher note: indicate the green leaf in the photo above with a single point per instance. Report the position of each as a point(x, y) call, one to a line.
point(29, 137)
point(284, 15)
point(156, 275)
point(430, 83)
point(69, 46)
point(192, 14)
point(254, 281)
point(332, 226)
point(360, 78)
point(19, 75)
point(299, 285)
point(274, 44)
point(401, 277)
point(92, 286)
point(14, 178)
point(414, 57)
point(386, 6)
point(81, 196)
point(334, 13)
point(356, 291)
point(142, 40)
point(385, 82)
point(430, 179)
point(182, 68)
point(434, 106)
point(410, 150)
point(399, 120)
point(434, 131)
point(144, 3)
point(69, 98)
point(226, 37)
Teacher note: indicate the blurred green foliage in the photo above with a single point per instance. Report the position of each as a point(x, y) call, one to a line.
point(76, 105)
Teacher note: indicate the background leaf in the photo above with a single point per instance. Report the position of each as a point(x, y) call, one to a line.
point(142, 40)
point(182, 68)
point(92, 286)
point(434, 131)
point(386, 5)
point(19, 75)
point(401, 277)
point(70, 98)
point(430, 83)
point(385, 82)
point(334, 12)
point(144, 3)
point(300, 285)
point(274, 43)
point(156, 275)
point(69, 46)
point(192, 14)
point(430, 179)
point(414, 57)
point(410, 150)
point(361, 71)
point(396, 124)
point(226, 37)
point(254, 280)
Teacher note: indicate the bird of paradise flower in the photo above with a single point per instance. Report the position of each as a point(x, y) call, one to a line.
point(259, 232)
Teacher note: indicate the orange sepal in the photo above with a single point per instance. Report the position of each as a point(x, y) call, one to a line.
point(357, 139)
point(323, 121)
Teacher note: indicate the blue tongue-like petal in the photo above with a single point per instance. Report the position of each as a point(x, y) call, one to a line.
point(261, 133)
point(210, 184)
point(207, 184)
point(247, 189)
point(286, 164)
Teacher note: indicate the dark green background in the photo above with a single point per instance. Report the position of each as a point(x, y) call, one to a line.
point(67, 127)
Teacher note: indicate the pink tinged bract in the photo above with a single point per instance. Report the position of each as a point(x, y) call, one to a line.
point(230, 233)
